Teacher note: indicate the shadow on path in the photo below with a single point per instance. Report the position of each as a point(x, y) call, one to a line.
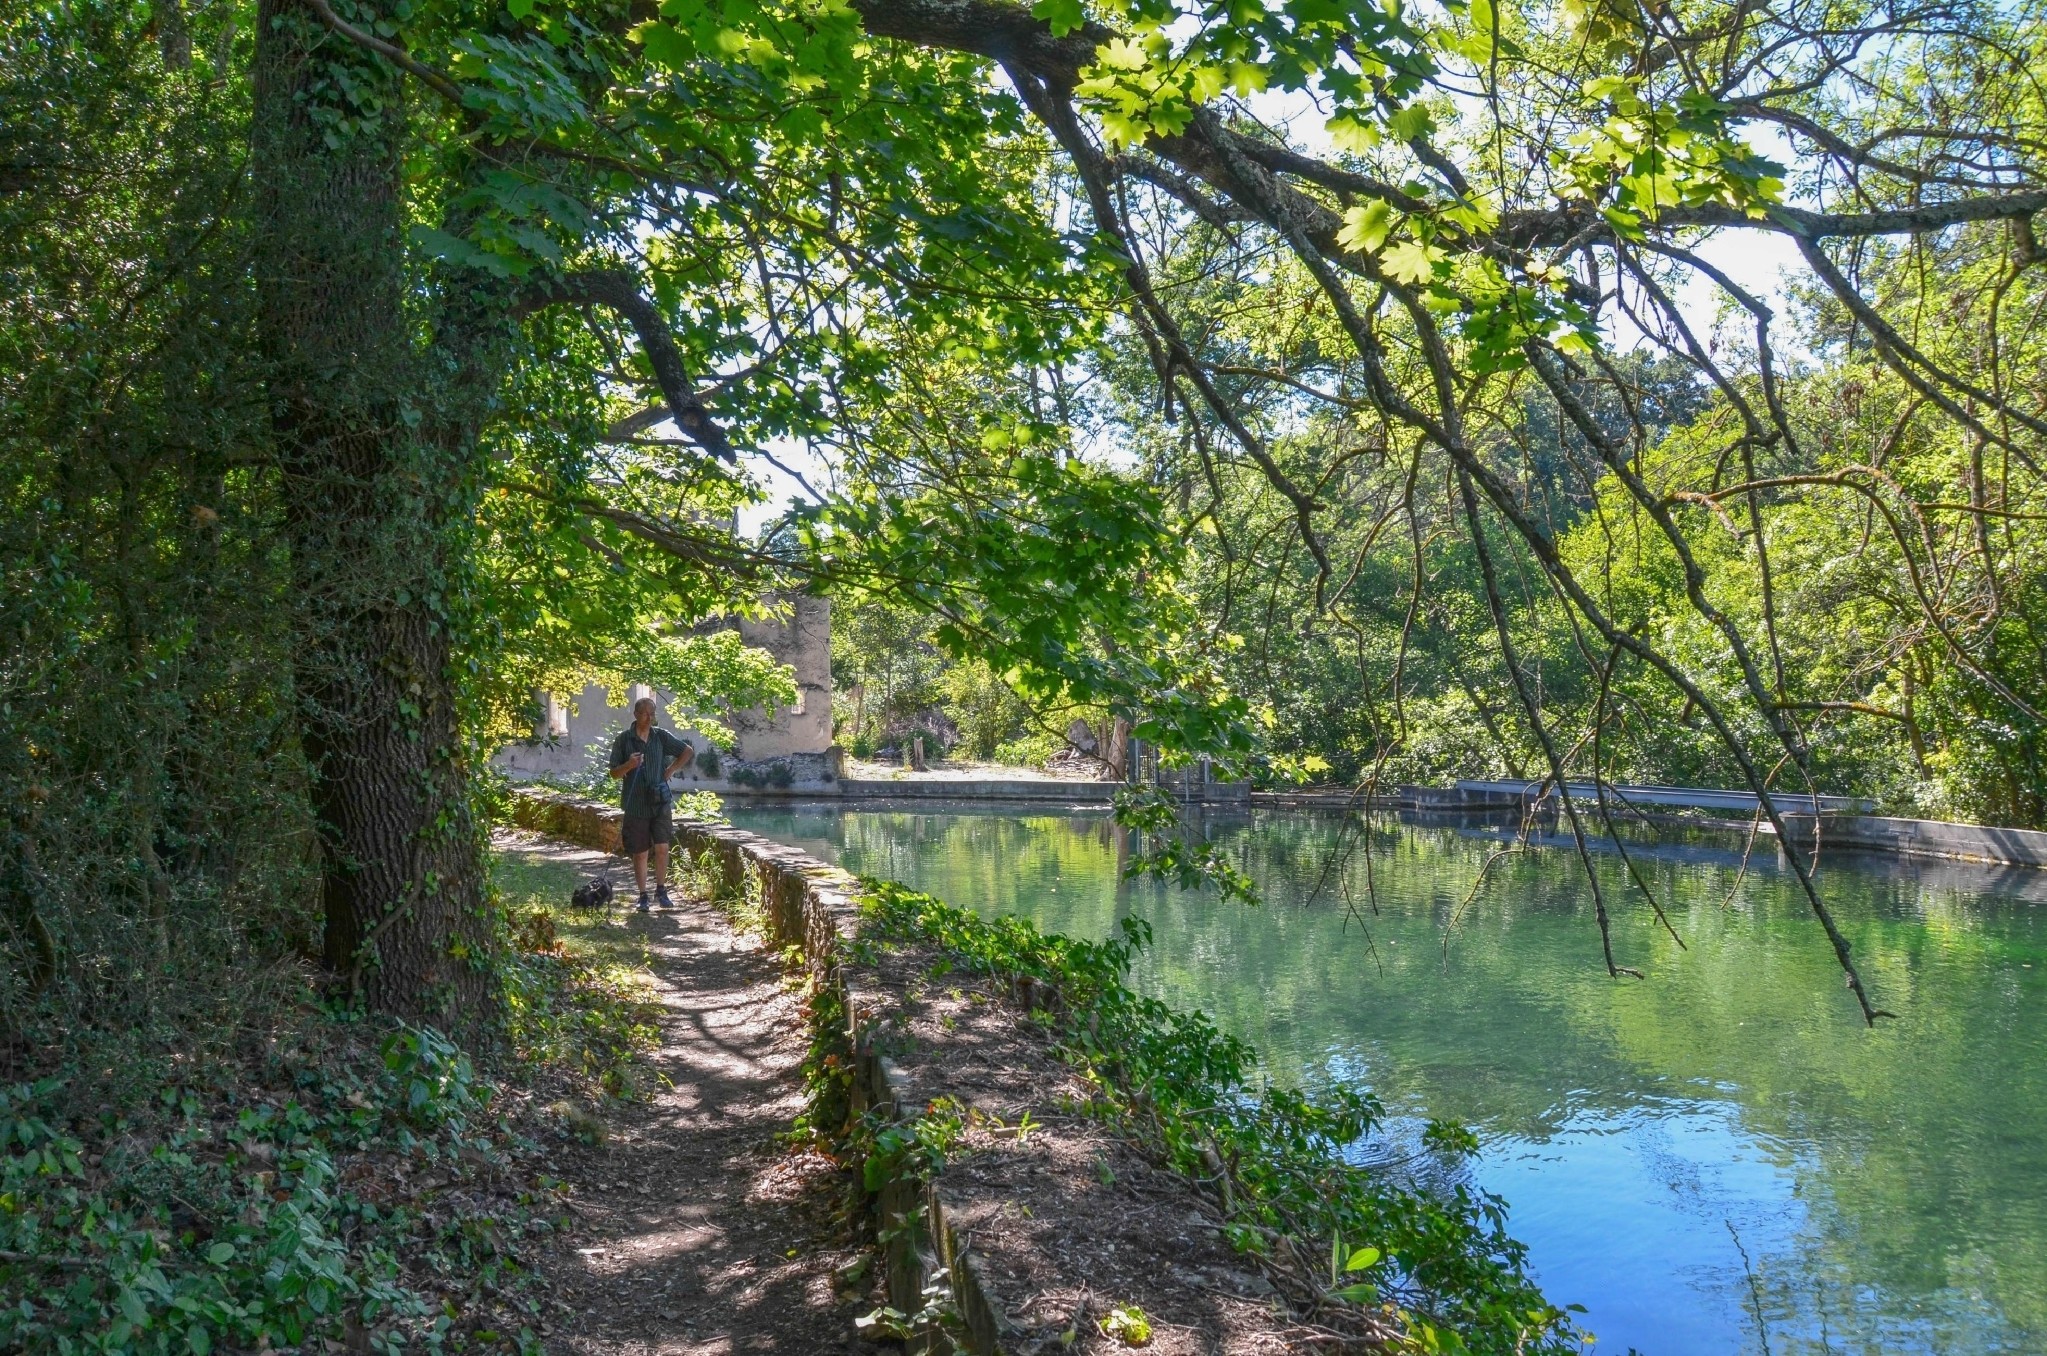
point(699, 1232)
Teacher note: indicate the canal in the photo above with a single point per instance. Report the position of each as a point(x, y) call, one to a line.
point(1717, 1157)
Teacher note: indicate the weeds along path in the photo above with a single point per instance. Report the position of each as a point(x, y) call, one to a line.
point(698, 1231)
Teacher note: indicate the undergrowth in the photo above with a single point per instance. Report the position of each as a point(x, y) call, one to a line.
point(325, 1181)
point(1436, 1264)
point(329, 1192)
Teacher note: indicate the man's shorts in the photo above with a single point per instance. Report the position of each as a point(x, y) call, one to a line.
point(641, 832)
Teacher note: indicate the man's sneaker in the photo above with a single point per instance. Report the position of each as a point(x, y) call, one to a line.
point(643, 906)
point(661, 895)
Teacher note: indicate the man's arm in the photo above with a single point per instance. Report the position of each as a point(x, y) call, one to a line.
point(682, 760)
point(619, 769)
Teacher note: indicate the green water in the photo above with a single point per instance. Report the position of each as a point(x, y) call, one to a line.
point(1887, 1189)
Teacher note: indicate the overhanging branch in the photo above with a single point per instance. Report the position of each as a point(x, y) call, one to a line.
point(618, 291)
point(391, 52)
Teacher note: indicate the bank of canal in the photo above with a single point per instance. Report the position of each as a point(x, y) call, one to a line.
point(1713, 1156)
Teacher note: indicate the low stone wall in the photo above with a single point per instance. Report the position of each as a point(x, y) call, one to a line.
point(1043, 790)
point(1929, 838)
point(810, 905)
point(1442, 799)
point(1925, 838)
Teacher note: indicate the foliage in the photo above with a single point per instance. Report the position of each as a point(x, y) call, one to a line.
point(1060, 578)
point(859, 236)
point(1176, 852)
point(883, 652)
point(297, 1195)
point(1857, 538)
point(913, 1149)
point(341, 407)
point(1184, 1088)
point(886, 652)
point(1127, 1324)
point(224, 1222)
point(153, 862)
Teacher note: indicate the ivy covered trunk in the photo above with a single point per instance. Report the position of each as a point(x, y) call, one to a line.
point(375, 501)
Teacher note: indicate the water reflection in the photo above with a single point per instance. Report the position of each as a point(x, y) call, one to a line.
point(1710, 1156)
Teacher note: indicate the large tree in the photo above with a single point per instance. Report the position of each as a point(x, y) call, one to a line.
point(498, 253)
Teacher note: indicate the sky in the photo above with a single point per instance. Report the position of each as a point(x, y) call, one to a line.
point(1759, 261)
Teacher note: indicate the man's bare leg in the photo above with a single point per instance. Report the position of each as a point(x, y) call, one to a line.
point(660, 866)
point(640, 870)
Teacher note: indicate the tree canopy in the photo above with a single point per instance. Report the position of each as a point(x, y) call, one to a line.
point(374, 360)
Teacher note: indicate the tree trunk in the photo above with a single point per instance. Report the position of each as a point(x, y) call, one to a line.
point(374, 517)
point(1116, 749)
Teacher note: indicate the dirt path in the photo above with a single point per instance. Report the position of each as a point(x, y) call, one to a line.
point(700, 1234)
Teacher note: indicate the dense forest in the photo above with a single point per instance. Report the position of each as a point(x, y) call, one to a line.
point(1338, 392)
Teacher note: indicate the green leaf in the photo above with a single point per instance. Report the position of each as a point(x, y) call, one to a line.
point(1063, 16)
point(439, 244)
point(1654, 191)
point(1352, 133)
point(1362, 1258)
point(1413, 121)
point(1122, 54)
point(518, 9)
point(220, 1253)
point(1626, 224)
point(1365, 227)
point(1412, 262)
point(665, 45)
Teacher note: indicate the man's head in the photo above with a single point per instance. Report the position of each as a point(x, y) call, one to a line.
point(643, 712)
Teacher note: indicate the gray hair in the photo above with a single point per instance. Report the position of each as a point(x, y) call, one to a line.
point(647, 702)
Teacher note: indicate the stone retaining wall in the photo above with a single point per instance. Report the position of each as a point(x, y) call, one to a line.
point(1930, 838)
point(1044, 790)
point(810, 905)
point(1924, 838)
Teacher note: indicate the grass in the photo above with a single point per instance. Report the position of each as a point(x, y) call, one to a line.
point(530, 884)
point(578, 992)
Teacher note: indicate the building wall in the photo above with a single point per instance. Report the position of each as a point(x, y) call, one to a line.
point(571, 733)
point(803, 640)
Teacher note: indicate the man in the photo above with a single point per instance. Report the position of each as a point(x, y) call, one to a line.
point(643, 758)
